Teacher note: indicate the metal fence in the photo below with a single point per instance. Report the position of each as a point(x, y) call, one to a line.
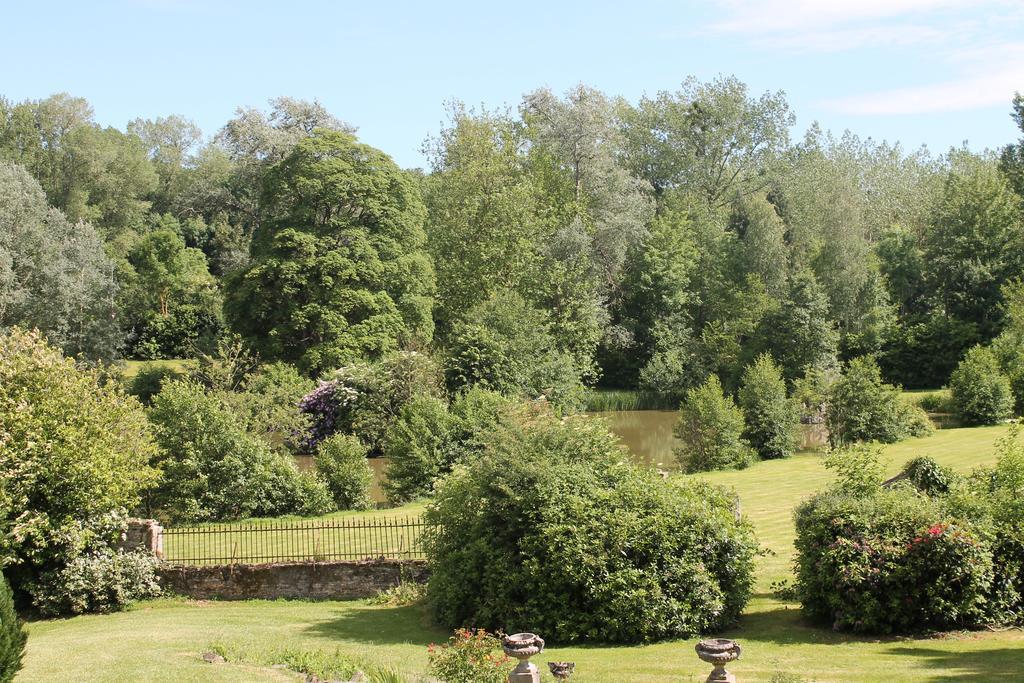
point(298, 541)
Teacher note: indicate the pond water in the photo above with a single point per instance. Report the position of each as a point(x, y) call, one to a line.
point(646, 433)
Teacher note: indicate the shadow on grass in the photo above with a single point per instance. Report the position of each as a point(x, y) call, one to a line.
point(786, 624)
point(999, 664)
point(381, 626)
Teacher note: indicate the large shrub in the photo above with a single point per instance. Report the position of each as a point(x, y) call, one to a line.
point(862, 407)
point(982, 394)
point(12, 635)
point(341, 461)
point(74, 456)
point(771, 416)
point(710, 427)
point(102, 581)
point(878, 560)
point(552, 529)
point(267, 405)
point(365, 398)
point(215, 470)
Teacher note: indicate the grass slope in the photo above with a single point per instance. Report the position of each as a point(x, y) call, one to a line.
point(162, 641)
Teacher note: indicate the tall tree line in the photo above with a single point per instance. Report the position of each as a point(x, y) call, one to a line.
point(576, 239)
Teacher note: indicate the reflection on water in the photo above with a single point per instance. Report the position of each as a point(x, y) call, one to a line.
point(646, 433)
point(305, 463)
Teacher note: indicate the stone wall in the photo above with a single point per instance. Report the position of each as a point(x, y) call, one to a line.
point(300, 580)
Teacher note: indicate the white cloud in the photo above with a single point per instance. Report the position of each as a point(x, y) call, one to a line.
point(973, 44)
point(983, 76)
point(972, 92)
point(844, 39)
point(781, 16)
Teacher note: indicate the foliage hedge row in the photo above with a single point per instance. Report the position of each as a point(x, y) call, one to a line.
point(935, 552)
point(551, 529)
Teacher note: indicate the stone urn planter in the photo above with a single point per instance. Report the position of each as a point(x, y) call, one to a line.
point(561, 670)
point(718, 652)
point(522, 646)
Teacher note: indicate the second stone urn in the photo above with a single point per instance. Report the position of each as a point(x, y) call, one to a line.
point(561, 670)
point(718, 652)
point(522, 646)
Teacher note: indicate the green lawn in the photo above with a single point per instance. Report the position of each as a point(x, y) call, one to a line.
point(131, 367)
point(162, 641)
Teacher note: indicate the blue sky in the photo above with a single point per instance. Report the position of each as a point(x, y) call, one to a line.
point(934, 72)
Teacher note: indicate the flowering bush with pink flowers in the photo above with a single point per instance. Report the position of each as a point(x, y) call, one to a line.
point(890, 562)
point(906, 558)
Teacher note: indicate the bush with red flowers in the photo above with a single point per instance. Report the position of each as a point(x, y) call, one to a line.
point(469, 655)
point(894, 560)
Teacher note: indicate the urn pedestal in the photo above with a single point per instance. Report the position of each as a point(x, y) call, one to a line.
point(522, 646)
point(718, 652)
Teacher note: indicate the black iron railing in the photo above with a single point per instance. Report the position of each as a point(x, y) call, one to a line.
point(298, 541)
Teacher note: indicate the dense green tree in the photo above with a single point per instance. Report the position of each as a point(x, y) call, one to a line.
point(923, 351)
point(580, 133)
point(170, 142)
point(800, 334)
point(653, 313)
point(506, 345)
point(901, 262)
point(975, 242)
point(101, 175)
point(711, 138)
point(1011, 160)
point(54, 274)
point(862, 407)
point(338, 272)
point(771, 417)
point(710, 429)
point(166, 272)
point(252, 142)
point(483, 229)
point(170, 301)
point(981, 392)
point(762, 243)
